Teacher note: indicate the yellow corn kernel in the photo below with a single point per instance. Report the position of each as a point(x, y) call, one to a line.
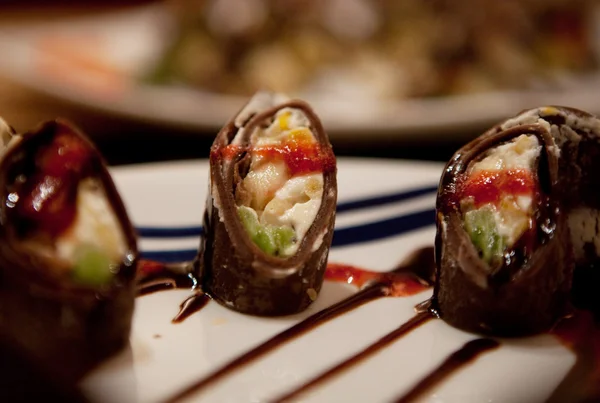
point(549, 110)
point(523, 144)
point(314, 187)
point(301, 135)
point(284, 120)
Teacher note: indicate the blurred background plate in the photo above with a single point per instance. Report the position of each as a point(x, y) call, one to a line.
point(101, 60)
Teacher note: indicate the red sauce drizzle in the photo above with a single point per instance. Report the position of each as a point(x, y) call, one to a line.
point(47, 198)
point(229, 152)
point(342, 273)
point(147, 268)
point(401, 284)
point(490, 186)
point(301, 157)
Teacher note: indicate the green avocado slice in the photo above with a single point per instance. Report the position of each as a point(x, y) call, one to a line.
point(92, 266)
point(271, 239)
point(481, 227)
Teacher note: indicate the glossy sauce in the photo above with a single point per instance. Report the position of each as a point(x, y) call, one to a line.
point(229, 152)
point(343, 273)
point(421, 261)
point(400, 284)
point(190, 306)
point(465, 355)
point(579, 332)
point(308, 324)
point(46, 199)
point(402, 330)
point(417, 270)
point(300, 157)
point(155, 276)
point(490, 186)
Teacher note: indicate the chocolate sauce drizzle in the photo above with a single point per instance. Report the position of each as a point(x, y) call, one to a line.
point(190, 306)
point(402, 330)
point(410, 277)
point(154, 276)
point(419, 262)
point(465, 355)
point(310, 323)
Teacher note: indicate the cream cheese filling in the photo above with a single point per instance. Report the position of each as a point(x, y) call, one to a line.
point(95, 226)
point(279, 200)
point(511, 216)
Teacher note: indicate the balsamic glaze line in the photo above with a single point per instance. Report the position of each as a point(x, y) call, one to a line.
point(458, 359)
point(402, 330)
point(190, 306)
point(368, 294)
point(170, 276)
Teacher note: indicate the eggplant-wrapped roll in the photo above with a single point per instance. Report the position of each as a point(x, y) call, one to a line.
point(67, 253)
point(504, 261)
point(270, 212)
point(577, 138)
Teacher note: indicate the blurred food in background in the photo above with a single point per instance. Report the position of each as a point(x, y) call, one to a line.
point(396, 69)
point(388, 48)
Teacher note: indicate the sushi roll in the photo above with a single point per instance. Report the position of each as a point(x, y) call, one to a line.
point(270, 211)
point(508, 223)
point(67, 252)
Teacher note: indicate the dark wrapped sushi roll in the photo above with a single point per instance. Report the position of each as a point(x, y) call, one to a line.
point(67, 253)
point(22, 380)
point(504, 253)
point(270, 211)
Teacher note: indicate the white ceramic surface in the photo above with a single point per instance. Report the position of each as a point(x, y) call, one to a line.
point(166, 357)
point(94, 60)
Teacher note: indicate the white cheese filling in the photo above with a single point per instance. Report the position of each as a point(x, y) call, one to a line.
point(95, 225)
point(520, 153)
point(295, 205)
point(512, 215)
point(278, 198)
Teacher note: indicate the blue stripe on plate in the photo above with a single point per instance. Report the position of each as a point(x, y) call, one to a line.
point(168, 232)
point(170, 256)
point(181, 232)
point(383, 229)
point(385, 199)
point(342, 237)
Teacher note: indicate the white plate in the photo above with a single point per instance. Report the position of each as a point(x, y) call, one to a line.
point(164, 358)
point(94, 61)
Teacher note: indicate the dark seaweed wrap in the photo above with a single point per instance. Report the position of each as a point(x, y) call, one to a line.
point(530, 294)
point(64, 328)
point(234, 271)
